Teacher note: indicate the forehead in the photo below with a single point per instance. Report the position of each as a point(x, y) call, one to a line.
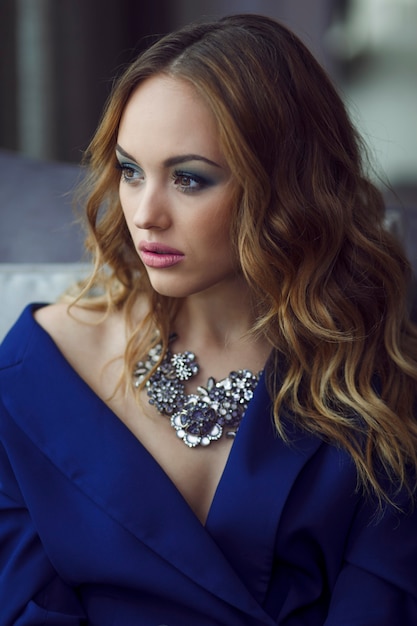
point(167, 113)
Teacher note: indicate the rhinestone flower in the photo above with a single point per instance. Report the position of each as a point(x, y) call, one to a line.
point(204, 416)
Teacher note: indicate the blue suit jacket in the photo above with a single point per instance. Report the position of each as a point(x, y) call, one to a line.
point(92, 531)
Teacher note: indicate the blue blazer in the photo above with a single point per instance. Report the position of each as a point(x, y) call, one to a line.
point(92, 531)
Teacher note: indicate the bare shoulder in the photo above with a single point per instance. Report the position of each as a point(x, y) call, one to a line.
point(77, 322)
point(85, 337)
point(89, 340)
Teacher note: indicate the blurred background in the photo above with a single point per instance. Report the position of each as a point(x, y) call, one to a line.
point(58, 59)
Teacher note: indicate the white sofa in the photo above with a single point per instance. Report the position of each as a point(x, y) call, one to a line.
point(22, 283)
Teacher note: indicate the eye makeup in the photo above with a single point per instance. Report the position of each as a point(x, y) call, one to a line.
point(131, 172)
point(187, 179)
point(189, 182)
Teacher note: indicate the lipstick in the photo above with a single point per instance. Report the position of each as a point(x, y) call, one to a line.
point(158, 255)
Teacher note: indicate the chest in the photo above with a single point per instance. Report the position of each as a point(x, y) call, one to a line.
point(195, 472)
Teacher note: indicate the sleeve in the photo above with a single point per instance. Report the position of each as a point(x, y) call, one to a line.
point(31, 593)
point(377, 585)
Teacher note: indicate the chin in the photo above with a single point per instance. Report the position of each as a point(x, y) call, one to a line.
point(176, 287)
point(171, 291)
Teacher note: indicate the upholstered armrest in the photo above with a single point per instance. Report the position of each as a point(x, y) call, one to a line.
point(23, 283)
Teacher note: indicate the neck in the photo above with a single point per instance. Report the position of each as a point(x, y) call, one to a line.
point(216, 327)
point(219, 318)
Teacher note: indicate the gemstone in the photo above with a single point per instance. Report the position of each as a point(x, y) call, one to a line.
point(197, 418)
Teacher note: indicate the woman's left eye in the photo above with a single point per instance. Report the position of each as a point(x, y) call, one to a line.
point(188, 182)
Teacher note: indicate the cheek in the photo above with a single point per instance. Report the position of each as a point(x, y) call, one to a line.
point(214, 230)
point(221, 224)
point(127, 208)
point(216, 236)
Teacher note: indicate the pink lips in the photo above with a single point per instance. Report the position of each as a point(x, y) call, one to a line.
point(158, 255)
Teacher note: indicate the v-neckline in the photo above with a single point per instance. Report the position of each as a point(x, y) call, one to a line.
point(116, 419)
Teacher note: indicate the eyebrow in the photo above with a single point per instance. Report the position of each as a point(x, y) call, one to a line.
point(174, 160)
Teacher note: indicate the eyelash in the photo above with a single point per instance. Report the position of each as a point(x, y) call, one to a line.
point(129, 170)
point(126, 168)
point(200, 182)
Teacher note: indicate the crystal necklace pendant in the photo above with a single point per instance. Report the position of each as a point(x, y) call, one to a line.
point(201, 417)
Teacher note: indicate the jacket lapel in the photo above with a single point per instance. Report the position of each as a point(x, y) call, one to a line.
point(246, 510)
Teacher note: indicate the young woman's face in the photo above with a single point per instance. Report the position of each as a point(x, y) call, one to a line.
point(176, 189)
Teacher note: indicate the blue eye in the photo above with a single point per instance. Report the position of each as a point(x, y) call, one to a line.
point(187, 182)
point(130, 173)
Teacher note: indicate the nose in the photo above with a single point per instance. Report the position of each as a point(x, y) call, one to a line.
point(152, 208)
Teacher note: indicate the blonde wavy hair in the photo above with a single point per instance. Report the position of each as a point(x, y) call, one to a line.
point(329, 282)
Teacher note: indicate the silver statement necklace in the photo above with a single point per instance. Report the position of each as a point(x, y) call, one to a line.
point(202, 417)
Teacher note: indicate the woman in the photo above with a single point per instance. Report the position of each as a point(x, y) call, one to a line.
point(219, 428)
